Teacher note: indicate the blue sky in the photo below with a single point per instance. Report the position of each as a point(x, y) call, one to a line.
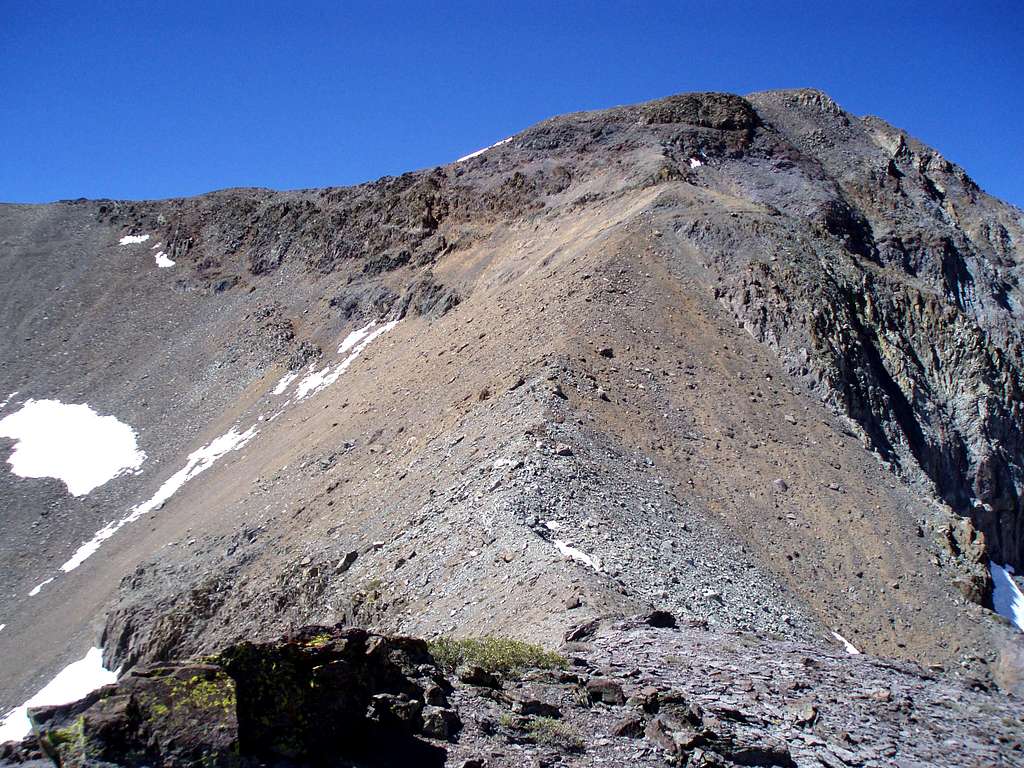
point(160, 99)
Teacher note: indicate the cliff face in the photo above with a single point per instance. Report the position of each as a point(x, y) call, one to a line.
point(755, 360)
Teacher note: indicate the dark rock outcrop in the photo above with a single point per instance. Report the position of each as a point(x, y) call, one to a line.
point(343, 697)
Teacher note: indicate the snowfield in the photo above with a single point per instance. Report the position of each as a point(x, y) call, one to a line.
point(71, 443)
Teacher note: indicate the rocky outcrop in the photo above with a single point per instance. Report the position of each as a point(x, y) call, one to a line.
point(321, 696)
point(640, 691)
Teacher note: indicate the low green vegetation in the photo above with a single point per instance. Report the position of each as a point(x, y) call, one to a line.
point(501, 655)
point(554, 733)
point(547, 731)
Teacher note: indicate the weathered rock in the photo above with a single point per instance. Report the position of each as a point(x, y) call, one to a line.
point(440, 723)
point(473, 674)
point(606, 691)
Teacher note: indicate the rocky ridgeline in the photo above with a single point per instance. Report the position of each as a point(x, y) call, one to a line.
point(638, 691)
point(875, 268)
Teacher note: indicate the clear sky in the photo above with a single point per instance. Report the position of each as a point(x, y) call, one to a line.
point(160, 99)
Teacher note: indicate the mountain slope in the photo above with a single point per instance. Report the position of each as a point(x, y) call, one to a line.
point(756, 361)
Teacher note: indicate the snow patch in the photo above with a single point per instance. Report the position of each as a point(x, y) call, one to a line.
point(1006, 595)
point(285, 380)
point(846, 644)
point(163, 261)
point(70, 442)
point(133, 239)
point(198, 462)
point(481, 151)
point(578, 555)
point(39, 587)
point(7, 400)
point(354, 344)
point(72, 683)
point(696, 162)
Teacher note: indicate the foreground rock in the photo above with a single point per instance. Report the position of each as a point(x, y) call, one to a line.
point(624, 692)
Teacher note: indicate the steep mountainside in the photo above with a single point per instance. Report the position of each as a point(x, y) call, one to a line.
point(754, 361)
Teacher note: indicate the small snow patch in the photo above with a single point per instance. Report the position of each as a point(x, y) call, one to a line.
point(133, 239)
point(1006, 595)
point(284, 381)
point(198, 462)
point(72, 683)
point(354, 344)
point(696, 162)
point(39, 587)
point(846, 643)
point(163, 261)
point(481, 151)
point(71, 443)
point(578, 555)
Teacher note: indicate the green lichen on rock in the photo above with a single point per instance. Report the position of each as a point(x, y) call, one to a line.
point(319, 641)
point(201, 692)
point(65, 744)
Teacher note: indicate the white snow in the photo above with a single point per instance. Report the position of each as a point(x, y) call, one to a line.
point(354, 344)
point(2, 627)
point(481, 151)
point(133, 239)
point(1006, 596)
point(72, 683)
point(38, 587)
point(695, 162)
point(846, 643)
point(163, 260)
point(198, 462)
point(70, 442)
point(7, 400)
point(285, 380)
point(578, 555)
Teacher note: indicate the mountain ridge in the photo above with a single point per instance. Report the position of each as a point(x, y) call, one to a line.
point(753, 360)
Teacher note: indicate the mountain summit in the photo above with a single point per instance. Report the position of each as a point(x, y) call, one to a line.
point(752, 363)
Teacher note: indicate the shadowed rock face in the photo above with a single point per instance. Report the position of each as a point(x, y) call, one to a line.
point(754, 360)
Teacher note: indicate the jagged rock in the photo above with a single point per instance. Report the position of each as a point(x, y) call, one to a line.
point(630, 727)
point(398, 711)
point(647, 699)
point(323, 692)
point(532, 706)
point(605, 691)
point(473, 674)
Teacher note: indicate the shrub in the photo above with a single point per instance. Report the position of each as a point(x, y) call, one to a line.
point(499, 655)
